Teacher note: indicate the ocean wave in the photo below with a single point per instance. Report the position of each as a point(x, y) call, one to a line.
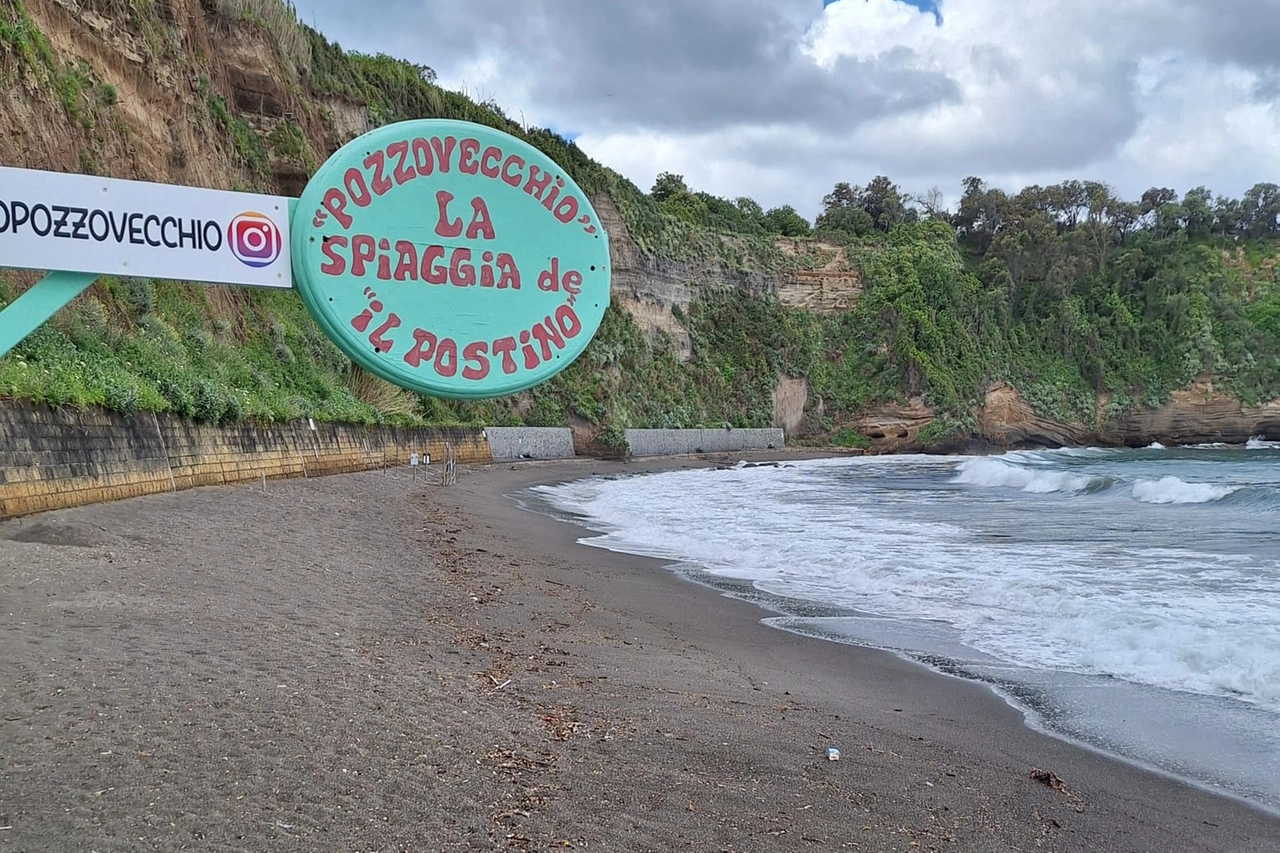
point(1185, 617)
point(1172, 490)
point(1260, 443)
point(990, 471)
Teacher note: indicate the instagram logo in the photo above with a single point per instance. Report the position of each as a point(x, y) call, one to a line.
point(254, 239)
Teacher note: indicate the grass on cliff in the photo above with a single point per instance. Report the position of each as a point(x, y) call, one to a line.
point(1064, 293)
point(210, 354)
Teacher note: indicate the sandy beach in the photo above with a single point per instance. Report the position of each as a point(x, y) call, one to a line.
point(372, 663)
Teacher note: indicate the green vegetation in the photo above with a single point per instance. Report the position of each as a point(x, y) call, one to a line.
point(211, 354)
point(288, 141)
point(246, 141)
point(22, 39)
point(1065, 292)
point(71, 84)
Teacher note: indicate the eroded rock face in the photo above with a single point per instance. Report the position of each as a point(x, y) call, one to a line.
point(894, 428)
point(1007, 420)
point(649, 288)
point(664, 281)
point(257, 92)
point(790, 397)
point(1200, 414)
point(830, 284)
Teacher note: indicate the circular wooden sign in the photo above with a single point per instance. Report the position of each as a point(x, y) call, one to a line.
point(451, 259)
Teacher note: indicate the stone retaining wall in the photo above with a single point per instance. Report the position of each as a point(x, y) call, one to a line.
point(55, 458)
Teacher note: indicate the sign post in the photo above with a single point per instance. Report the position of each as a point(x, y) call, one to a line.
point(41, 301)
point(449, 258)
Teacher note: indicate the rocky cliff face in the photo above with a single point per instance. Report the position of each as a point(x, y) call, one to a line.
point(199, 92)
point(164, 92)
point(1197, 415)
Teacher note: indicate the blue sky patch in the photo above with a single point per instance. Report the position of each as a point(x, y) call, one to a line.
point(922, 5)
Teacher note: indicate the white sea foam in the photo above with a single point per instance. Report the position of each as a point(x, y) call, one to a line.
point(1149, 610)
point(1259, 443)
point(993, 471)
point(1172, 490)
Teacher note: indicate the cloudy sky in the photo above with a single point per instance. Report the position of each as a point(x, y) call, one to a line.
point(780, 99)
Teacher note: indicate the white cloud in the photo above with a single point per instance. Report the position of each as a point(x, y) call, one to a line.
point(780, 99)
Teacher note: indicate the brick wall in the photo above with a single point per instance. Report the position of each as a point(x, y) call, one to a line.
point(51, 459)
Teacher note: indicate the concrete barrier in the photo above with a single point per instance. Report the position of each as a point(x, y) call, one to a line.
point(508, 443)
point(680, 442)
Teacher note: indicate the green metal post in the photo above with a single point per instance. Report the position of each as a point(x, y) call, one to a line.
point(42, 301)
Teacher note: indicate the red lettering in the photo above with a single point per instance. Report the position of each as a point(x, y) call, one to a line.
point(461, 272)
point(444, 151)
point(363, 249)
point(434, 273)
point(422, 159)
point(535, 186)
point(336, 263)
point(467, 150)
point(549, 279)
point(378, 162)
point(507, 175)
point(550, 201)
point(361, 321)
point(568, 321)
point(504, 347)
point(356, 188)
point(444, 227)
point(567, 209)
point(335, 201)
point(447, 357)
point(509, 275)
point(384, 260)
point(407, 265)
point(530, 356)
point(424, 344)
point(546, 334)
point(481, 224)
point(572, 282)
point(489, 162)
point(476, 352)
point(380, 343)
point(399, 151)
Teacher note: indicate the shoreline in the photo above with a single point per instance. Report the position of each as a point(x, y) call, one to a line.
point(759, 613)
point(365, 662)
point(774, 609)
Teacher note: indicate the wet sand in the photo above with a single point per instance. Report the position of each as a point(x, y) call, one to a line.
point(370, 663)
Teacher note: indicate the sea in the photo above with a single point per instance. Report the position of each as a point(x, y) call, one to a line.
point(1125, 600)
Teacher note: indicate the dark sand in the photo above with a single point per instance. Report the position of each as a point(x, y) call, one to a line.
point(361, 663)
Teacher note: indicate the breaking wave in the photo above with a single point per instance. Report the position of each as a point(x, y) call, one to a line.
point(989, 471)
point(1173, 490)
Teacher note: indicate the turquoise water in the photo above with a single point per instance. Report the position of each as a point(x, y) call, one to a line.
point(1125, 599)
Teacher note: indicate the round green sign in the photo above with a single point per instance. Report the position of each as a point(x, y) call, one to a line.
point(451, 259)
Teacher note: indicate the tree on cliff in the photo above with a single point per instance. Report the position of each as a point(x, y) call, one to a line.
point(858, 211)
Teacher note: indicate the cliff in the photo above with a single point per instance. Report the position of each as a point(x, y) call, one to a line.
point(885, 340)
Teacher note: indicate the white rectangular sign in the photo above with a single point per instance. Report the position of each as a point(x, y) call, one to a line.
point(80, 223)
